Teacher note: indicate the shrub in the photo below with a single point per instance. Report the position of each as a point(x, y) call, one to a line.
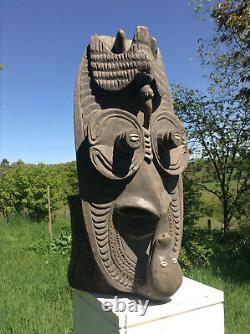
point(24, 188)
point(62, 244)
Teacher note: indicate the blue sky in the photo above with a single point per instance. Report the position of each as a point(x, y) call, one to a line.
point(41, 45)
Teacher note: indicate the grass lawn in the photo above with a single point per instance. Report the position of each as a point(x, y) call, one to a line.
point(35, 297)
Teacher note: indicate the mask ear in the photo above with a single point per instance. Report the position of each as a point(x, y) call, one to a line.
point(116, 143)
point(169, 142)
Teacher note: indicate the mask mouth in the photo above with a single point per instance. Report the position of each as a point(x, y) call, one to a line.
point(135, 223)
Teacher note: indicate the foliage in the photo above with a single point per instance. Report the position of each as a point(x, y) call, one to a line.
point(62, 244)
point(24, 188)
point(40, 246)
point(193, 208)
point(202, 169)
point(194, 251)
point(232, 19)
point(218, 121)
point(227, 53)
point(244, 210)
point(4, 163)
point(219, 133)
point(218, 252)
point(212, 249)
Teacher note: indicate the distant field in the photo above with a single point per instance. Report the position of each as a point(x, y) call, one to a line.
point(213, 210)
point(35, 297)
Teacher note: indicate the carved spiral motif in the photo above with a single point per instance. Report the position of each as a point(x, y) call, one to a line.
point(169, 142)
point(106, 151)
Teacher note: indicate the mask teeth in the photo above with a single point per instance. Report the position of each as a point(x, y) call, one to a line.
point(119, 44)
point(141, 36)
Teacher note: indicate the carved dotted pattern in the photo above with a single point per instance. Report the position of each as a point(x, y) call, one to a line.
point(175, 220)
point(171, 222)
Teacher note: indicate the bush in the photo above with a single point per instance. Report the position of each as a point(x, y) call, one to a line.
point(197, 248)
point(24, 188)
point(197, 243)
point(222, 254)
point(61, 244)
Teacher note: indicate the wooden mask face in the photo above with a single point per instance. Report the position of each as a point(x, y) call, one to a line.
point(131, 150)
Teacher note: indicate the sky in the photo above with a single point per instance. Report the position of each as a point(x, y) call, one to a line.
point(41, 43)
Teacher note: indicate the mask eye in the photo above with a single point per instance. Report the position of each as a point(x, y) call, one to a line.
point(129, 140)
point(116, 143)
point(169, 142)
point(170, 139)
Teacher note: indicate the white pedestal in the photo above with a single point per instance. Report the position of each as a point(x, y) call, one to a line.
point(194, 309)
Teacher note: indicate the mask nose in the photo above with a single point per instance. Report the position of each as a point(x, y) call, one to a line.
point(142, 203)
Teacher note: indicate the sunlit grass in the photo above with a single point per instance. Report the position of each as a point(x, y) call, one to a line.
point(36, 298)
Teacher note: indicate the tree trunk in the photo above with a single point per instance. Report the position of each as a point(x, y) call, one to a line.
point(225, 220)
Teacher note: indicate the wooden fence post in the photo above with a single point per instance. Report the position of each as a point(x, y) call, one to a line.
point(49, 215)
point(209, 225)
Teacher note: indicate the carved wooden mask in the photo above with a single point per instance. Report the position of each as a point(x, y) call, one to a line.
point(131, 151)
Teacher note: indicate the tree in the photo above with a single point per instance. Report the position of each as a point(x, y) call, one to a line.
point(218, 120)
point(219, 132)
point(228, 51)
point(193, 206)
point(4, 163)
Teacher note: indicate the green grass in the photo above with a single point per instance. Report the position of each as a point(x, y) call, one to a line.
point(35, 297)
